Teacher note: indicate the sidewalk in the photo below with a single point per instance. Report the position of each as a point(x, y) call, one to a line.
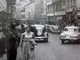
point(19, 55)
point(4, 57)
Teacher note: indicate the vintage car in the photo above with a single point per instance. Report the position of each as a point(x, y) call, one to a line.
point(54, 29)
point(70, 33)
point(41, 33)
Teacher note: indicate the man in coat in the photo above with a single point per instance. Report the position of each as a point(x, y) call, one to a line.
point(11, 43)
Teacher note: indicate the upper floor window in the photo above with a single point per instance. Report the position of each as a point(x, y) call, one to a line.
point(23, 16)
point(23, 9)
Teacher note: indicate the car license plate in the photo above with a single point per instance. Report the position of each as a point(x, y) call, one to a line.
point(38, 39)
point(41, 39)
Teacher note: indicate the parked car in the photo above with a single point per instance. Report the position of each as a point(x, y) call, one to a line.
point(41, 33)
point(54, 29)
point(70, 33)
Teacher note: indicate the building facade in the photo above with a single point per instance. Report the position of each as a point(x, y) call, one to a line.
point(30, 10)
point(3, 5)
point(20, 10)
point(38, 9)
point(62, 10)
point(44, 13)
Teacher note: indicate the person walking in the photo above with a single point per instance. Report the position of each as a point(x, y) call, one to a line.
point(11, 42)
point(2, 44)
point(22, 28)
point(27, 35)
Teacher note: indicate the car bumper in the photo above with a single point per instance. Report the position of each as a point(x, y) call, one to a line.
point(40, 38)
point(74, 39)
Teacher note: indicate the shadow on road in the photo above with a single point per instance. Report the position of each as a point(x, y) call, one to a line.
point(41, 42)
point(74, 43)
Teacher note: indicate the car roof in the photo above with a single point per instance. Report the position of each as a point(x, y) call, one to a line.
point(72, 26)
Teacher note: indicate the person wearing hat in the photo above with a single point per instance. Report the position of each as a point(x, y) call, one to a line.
point(11, 42)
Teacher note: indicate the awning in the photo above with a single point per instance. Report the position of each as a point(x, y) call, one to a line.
point(3, 5)
point(49, 3)
point(56, 13)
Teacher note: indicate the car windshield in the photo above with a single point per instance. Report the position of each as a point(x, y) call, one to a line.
point(71, 29)
point(39, 27)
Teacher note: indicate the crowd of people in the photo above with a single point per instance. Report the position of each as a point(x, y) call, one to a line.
point(14, 39)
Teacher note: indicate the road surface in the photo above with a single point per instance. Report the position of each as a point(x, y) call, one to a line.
point(54, 50)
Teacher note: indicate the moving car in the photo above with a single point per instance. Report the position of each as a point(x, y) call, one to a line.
point(54, 29)
point(70, 33)
point(40, 31)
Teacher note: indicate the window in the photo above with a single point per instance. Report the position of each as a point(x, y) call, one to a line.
point(23, 16)
point(23, 9)
point(63, 2)
point(74, 2)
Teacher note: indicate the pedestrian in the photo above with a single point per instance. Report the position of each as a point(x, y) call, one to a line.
point(11, 42)
point(34, 30)
point(27, 35)
point(2, 44)
point(22, 28)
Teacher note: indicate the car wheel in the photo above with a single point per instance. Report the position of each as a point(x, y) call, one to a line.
point(46, 39)
point(62, 41)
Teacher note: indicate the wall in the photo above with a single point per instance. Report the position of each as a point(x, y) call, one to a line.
point(3, 5)
point(29, 7)
point(38, 9)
